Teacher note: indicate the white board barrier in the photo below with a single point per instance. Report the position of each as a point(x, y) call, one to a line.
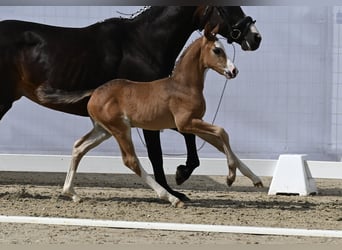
point(106, 164)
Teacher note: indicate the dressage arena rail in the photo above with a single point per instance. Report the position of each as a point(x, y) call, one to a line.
point(173, 226)
point(209, 166)
point(114, 165)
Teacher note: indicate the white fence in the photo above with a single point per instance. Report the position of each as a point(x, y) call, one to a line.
point(110, 164)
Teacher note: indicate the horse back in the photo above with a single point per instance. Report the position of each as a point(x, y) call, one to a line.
point(65, 58)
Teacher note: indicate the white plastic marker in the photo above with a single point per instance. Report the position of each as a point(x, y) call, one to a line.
point(172, 226)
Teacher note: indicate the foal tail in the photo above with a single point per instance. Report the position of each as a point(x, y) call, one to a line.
point(47, 94)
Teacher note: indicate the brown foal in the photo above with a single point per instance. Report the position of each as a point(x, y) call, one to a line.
point(173, 102)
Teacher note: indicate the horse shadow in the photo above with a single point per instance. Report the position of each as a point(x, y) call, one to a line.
point(289, 205)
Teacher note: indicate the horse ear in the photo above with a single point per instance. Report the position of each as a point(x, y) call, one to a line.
point(210, 33)
point(215, 30)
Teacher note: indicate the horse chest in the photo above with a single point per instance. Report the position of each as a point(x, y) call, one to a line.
point(195, 105)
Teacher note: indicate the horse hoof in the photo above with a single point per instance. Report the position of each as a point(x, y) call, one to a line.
point(183, 197)
point(76, 199)
point(258, 184)
point(182, 174)
point(230, 181)
point(180, 196)
point(179, 204)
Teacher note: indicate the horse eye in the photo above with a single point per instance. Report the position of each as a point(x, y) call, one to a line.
point(217, 51)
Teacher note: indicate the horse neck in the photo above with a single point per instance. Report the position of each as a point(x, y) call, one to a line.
point(190, 70)
point(167, 28)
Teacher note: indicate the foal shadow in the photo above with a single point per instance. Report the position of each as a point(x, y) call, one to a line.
point(23, 194)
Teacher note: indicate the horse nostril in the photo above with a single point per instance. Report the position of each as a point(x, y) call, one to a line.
point(235, 71)
point(257, 38)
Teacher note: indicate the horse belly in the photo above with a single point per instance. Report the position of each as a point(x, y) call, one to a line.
point(151, 121)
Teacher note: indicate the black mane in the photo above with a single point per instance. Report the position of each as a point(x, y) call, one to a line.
point(146, 10)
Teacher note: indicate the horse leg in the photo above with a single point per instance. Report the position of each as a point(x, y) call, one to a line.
point(184, 171)
point(122, 134)
point(95, 137)
point(219, 138)
point(240, 165)
point(7, 87)
point(152, 139)
point(4, 108)
point(7, 97)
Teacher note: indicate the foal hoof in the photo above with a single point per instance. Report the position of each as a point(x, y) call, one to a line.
point(74, 197)
point(179, 204)
point(230, 181)
point(258, 184)
point(183, 173)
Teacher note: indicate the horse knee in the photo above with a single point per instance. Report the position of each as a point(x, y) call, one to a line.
point(77, 151)
point(132, 163)
point(223, 135)
point(222, 132)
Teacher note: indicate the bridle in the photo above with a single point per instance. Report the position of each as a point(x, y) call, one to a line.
point(240, 29)
point(237, 31)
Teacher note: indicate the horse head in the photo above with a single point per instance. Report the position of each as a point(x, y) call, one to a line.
point(234, 25)
point(214, 55)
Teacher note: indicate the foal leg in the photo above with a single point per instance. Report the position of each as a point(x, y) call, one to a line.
point(219, 138)
point(122, 133)
point(95, 137)
point(241, 166)
point(152, 139)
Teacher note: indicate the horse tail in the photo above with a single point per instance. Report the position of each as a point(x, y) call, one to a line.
point(48, 94)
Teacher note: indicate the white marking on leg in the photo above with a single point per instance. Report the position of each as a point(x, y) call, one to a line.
point(248, 173)
point(95, 137)
point(162, 192)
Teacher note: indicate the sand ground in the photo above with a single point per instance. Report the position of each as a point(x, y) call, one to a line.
point(125, 197)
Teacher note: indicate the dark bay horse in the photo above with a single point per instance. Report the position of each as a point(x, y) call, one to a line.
point(173, 102)
point(143, 48)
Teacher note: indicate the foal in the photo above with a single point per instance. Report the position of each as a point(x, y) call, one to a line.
point(176, 101)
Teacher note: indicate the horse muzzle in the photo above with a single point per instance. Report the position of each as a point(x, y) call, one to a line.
point(230, 74)
point(252, 40)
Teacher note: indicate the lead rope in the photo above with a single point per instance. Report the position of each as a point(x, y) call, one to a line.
point(213, 120)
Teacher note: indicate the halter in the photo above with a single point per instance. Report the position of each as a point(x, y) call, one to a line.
point(240, 28)
point(237, 31)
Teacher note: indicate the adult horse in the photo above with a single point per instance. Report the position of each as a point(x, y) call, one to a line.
point(143, 48)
